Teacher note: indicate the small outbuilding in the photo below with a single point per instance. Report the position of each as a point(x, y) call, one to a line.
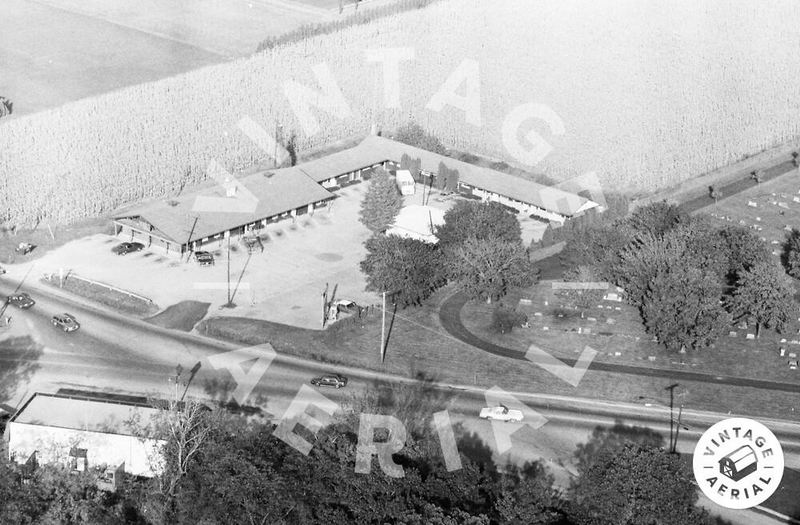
point(405, 182)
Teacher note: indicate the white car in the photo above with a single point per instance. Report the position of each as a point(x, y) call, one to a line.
point(501, 413)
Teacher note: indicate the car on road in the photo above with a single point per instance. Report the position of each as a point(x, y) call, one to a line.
point(20, 300)
point(501, 413)
point(127, 247)
point(334, 380)
point(66, 322)
point(2, 270)
point(204, 258)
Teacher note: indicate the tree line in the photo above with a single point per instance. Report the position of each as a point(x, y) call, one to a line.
point(228, 469)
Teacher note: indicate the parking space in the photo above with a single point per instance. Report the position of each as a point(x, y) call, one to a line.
point(284, 283)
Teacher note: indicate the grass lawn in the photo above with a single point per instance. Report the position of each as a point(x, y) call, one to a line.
point(44, 241)
point(613, 332)
point(418, 343)
point(104, 295)
point(181, 316)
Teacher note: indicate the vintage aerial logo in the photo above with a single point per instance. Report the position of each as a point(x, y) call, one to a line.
point(738, 463)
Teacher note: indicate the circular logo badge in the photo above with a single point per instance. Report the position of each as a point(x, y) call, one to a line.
point(738, 463)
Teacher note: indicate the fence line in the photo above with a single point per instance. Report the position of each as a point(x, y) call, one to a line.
point(70, 275)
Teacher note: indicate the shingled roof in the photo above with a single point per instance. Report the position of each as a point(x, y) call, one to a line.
point(276, 191)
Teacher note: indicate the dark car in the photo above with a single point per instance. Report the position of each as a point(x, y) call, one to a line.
point(127, 247)
point(66, 322)
point(333, 380)
point(204, 258)
point(20, 300)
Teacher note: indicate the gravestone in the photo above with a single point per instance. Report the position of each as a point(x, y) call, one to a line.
point(751, 336)
point(732, 334)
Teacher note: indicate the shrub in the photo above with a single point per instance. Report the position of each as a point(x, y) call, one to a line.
point(505, 318)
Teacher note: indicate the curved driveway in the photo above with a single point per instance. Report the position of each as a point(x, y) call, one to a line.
point(450, 317)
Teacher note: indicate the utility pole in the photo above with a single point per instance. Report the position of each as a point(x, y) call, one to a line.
point(229, 268)
point(383, 328)
point(673, 440)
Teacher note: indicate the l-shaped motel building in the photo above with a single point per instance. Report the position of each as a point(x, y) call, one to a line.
point(191, 221)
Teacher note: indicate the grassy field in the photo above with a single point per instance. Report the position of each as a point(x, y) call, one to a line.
point(96, 46)
point(767, 208)
point(104, 295)
point(47, 237)
point(418, 343)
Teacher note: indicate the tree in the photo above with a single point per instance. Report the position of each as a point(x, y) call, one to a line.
point(442, 176)
point(656, 218)
point(744, 250)
point(6, 107)
point(415, 135)
point(412, 268)
point(637, 485)
point(791, 253)
point(581, 298)
point(452, 181)
point(487, 268)
point(382, 202)
point(765, 293)
point(478, 220)
point(610, 440)
point(682, 308)
point(504, 319)
point(714, 193)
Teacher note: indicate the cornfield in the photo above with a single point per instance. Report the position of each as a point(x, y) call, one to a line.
point(650, 94)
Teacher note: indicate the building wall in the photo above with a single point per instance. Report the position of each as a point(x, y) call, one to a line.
point(52, 445)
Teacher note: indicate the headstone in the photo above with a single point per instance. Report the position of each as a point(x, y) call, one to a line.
point(538, 314)
point(587, 330)
point(591, 319)
point(617, 308)
point(617, 354)
point(611, 321)
point(782, 351)
point(775, 252)
point(545, 328)
point(752, 204)
point(783, 205)
point(732, 334)
point(792, 355)
point(751, 336)
point(793, 365)
point(651, 358)
point(525, 301)
point(741, 221)
point(600, 306)
point(787, 228)
point(773, 242)
point(545, 303)
point(795, 199)
point(758, 219)
point(561, 315)
point(783, 340)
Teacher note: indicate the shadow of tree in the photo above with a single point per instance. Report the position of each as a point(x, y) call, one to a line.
point(19, 358)
point(610, 439)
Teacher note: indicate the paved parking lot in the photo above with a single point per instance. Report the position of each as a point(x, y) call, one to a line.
point(282, 284)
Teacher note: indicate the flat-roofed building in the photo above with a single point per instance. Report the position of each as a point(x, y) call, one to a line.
point(84, 433)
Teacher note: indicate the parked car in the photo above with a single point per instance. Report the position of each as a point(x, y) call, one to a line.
point(24, 248)
point(501, 413)
point(346, 305)
point(334, 380)
point(204, 258)
point(20, 300)
point(127, 247)
point(66, 322)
